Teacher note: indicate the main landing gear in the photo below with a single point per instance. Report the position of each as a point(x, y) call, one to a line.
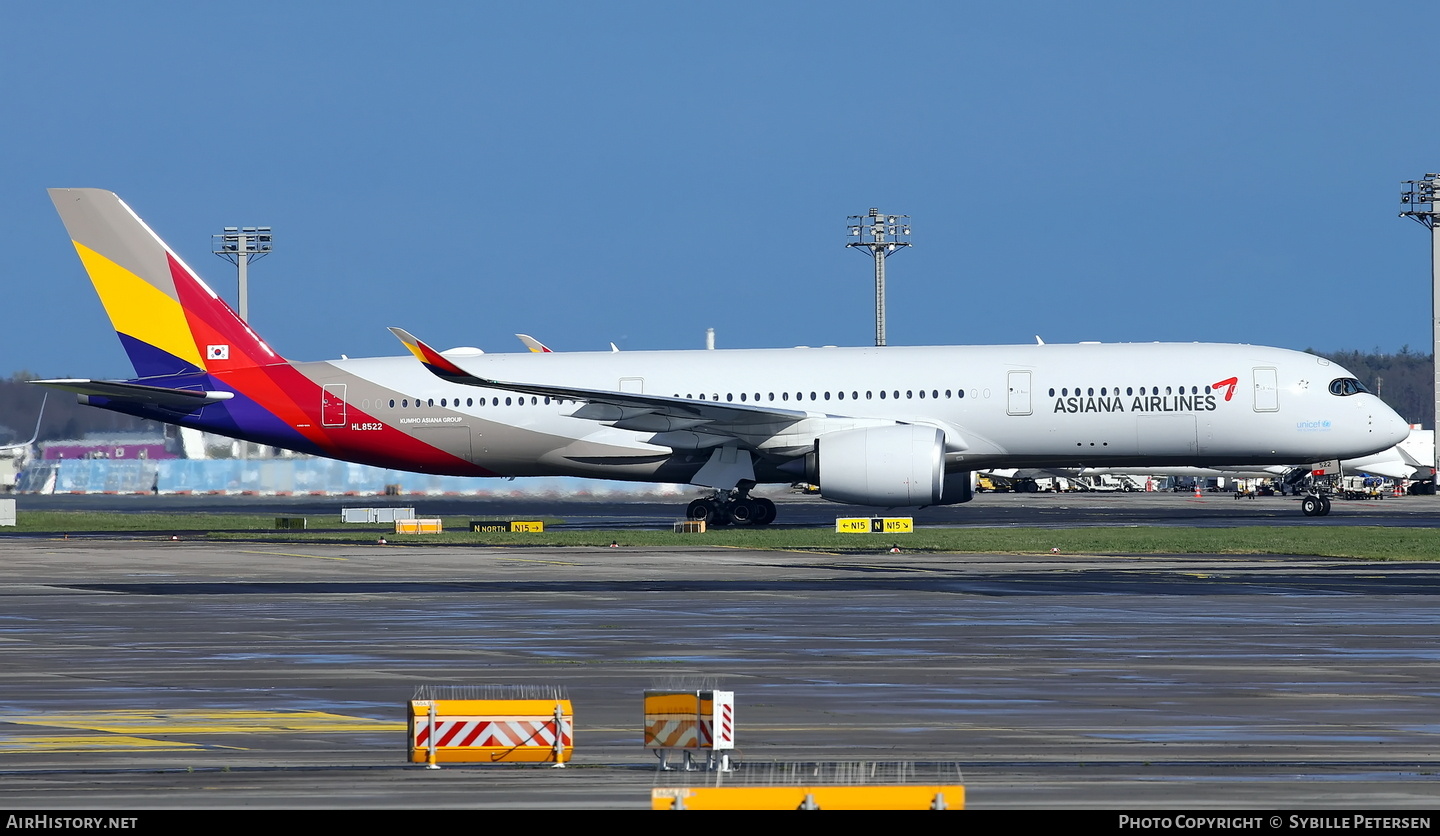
point(737, 506)
point(1315, 505)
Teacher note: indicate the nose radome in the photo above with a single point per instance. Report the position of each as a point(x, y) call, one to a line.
point(1388, 425)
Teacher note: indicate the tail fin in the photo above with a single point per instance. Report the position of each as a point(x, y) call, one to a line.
point(169, 321)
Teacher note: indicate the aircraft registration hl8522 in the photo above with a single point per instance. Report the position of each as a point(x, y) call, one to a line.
point(887, 427)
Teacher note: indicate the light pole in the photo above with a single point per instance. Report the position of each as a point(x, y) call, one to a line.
point(241, 245)
point(1417, 201)
point(882, 235)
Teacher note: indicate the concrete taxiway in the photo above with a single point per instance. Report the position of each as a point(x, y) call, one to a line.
point(143, 673)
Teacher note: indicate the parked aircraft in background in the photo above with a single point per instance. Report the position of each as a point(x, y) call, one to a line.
point(889, 426)
point(1410, 459)
point(1404, 461)
point(25, 445)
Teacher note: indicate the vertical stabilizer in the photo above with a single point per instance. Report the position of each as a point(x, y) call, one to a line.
point(169, 321)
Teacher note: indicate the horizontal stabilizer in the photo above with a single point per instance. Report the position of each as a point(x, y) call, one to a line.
point(183, 400)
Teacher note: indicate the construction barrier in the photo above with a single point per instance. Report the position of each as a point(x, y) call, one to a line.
point(835, 786)
point(375, 515)
point(289, 523)
point(505, 526)
point(689, 720)
point(875, 525)
point(491, 731)
point(419, 526)
point(690, 527)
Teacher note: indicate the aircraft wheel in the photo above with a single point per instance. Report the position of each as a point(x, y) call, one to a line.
point(743, 512)
point(1324, 506)
point(1311, 506)
point(700, 509)
point(764, 512)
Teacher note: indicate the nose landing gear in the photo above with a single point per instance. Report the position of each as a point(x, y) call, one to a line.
point(1315, 505)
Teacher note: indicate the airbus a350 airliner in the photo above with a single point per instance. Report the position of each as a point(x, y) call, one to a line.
point(888, 427)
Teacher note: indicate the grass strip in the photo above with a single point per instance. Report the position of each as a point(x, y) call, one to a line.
point(1367, 542)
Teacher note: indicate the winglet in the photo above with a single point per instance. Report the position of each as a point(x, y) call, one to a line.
point(38, 418)
point(535, 346)
point(34, 438)
point(432, 359)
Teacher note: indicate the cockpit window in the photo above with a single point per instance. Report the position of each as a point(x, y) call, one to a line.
point(1346, 386)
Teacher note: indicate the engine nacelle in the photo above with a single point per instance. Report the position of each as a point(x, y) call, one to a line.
point(959, 487)
point(886, 466)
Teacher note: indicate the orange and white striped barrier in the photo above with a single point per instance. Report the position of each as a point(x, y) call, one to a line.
point(491, 731)
point(690, 720)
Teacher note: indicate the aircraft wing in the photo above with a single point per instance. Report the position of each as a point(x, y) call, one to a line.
point(678, 423)
point(606, 405)
point(184, 400)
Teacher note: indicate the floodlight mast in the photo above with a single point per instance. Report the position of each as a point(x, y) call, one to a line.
point(882, 235)
point(1417, 201)
point(241, 245)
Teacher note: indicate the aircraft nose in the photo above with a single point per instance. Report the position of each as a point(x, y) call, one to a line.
point(1387, 424)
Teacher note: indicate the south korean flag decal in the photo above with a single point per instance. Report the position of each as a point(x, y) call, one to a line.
point(217, 352)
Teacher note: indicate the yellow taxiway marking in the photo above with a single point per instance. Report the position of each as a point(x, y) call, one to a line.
point(141, 721)
point(775, 549)
point(289, 554)
point(523, 560)
point(82, 743)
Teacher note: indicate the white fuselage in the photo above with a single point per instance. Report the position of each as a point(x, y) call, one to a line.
point(999, 406)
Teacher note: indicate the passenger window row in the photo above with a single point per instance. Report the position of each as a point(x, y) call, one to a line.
point(729, 397)
point(510, 400)
point(854, 395)
point(1106, 391)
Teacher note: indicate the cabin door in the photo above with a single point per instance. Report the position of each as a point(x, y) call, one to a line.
point(1267, 391)
point(332, 405)
point(1017, 399)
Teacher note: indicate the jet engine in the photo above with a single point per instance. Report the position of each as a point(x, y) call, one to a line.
point(886, 466)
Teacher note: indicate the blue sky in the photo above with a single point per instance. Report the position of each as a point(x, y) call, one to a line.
point(638, 172)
